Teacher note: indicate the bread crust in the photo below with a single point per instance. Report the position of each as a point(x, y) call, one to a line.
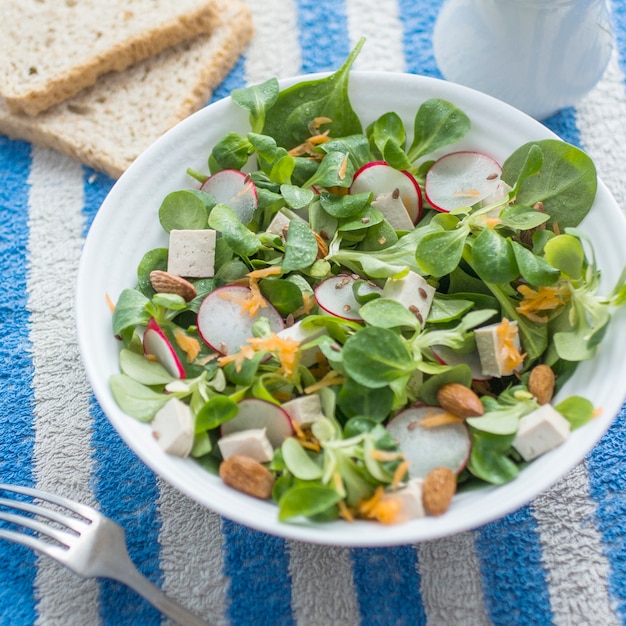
point(109, 124)
point(45, 64)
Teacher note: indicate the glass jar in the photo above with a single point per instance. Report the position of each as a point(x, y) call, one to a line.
point(538, 55)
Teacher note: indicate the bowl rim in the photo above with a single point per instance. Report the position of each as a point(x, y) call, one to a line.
point(375, 536)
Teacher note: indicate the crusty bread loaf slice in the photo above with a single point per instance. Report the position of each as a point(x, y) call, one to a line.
point(51, 49)
point(108, 125)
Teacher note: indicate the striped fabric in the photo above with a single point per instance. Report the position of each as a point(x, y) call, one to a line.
point(559, 560)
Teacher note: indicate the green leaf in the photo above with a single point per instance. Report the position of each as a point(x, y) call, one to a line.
point(355, 399)
point(340, 207)
point(185, 210)
point(386, 313)
point(447, 309)
point(376, 356)
point(215, 412)
point(231, 152)
point(257, 99)
point(300, 247)
point(438, 253)
point(155, 259)
point(489, 459)
point(141, 369)
point(334, 171)
point(493, 258)
point(242, 240)
point(288, 119)
point(438, 123)
point(130, 311)
point(306, 500)
point(135, 399)
point(566, 184)
point(534, 269)
point(565, 253)
point(577, 410)
point(296, 197)
point(284, 294)
point(299, 462)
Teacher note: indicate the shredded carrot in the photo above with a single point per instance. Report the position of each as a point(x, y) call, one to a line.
point(542, 300)
point(472, 193)
point(384, 455)
point(308, 303)
point(332, 378)
point(400, 474)
point(507, 333)
point(110, 303)
point(189, 345)
point(381, 507)
point(253, 300)
point(597, 412)
point(343, 167)
point(316, 122)
point(491, 221)
point(272, 270)
point(311, 445)
point(285, 349)
point(440, 419)
point(244, 353)
point(344, 511)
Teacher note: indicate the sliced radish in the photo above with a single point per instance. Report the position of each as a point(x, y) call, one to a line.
point(254, 414)
point(448, 356)
point(235, 189)
point(158, 346)
point(380, 178)
point(425, 448)
point(461, 179)
point(336, 296)
point(224, 325)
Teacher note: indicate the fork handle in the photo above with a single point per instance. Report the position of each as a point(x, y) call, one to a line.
point(134, 579)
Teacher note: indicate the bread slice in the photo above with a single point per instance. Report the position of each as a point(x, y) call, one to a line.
point(51, 49)
point(108, 125)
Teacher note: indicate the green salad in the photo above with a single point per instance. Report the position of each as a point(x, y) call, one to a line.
point(356, 323)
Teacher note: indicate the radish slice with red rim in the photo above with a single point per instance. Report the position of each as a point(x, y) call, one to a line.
point(426, 448)
point(335, 295)
point(257, 413)
point(378, 177)
point(461, 179)
point(235, 189)
point(222, 323)
point(158, 346)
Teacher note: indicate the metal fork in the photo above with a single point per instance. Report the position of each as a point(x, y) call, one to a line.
point(91, 547)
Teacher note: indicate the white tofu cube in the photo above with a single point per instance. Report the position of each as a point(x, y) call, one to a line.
point(392, 207)
point(172, 427)
point(303, 335)
point(192, 253)
point(411, 499)
point(279, 225)
point(492, 353)
point(413, 292)
point(304, 410)
point(252, 443)
point(540, 431)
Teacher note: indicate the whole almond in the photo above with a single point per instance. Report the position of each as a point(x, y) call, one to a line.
point(247, 475)
point(438, 490)
point(164, 282)
point(459, 400)
point(541, 383)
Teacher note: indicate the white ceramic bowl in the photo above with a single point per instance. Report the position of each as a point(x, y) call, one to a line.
point(127, 226)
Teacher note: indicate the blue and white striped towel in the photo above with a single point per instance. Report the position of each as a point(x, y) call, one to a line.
point(559, 560)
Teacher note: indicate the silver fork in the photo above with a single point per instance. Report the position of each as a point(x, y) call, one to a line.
point(91, 547)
